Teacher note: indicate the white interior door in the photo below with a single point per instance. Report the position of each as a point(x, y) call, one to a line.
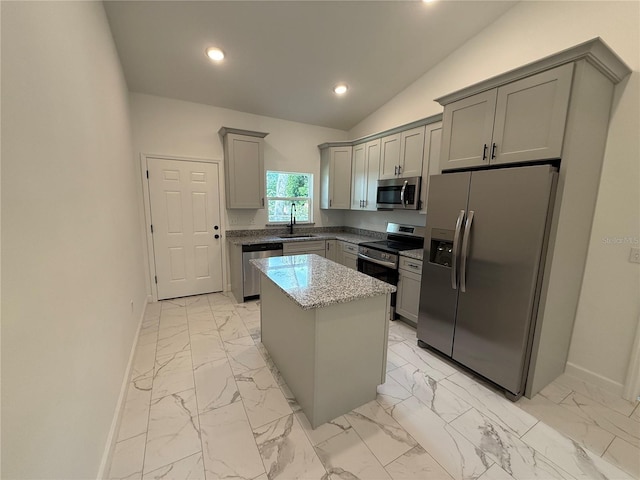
point(185, 217)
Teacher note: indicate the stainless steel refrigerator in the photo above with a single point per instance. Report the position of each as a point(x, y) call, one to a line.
point(484, 254)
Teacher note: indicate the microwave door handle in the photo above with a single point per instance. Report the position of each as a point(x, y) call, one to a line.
point(465, 252)
point(456, 244)
point(404, 186)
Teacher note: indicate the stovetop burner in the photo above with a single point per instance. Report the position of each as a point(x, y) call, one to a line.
point(393, 246)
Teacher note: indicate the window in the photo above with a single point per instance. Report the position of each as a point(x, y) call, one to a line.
point(286, 188)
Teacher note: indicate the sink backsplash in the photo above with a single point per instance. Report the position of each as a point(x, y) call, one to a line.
point(274, 232)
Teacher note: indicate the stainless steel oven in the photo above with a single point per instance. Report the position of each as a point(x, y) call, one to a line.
point(380, 259)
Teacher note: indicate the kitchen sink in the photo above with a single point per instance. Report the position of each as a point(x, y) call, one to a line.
point(296, 235)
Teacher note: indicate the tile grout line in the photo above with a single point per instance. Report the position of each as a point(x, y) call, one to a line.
point(293, 414)
point(244, 408)
point(608, 446)
point(195, 387)
point(153, 379)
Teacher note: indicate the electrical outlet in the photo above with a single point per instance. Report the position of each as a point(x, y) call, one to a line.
point(634, 256)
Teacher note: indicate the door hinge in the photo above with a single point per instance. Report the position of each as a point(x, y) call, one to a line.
point(147, 173)
point(156, 279)
point(151, 228)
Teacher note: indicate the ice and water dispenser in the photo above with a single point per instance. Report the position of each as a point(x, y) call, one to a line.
point(441, 252)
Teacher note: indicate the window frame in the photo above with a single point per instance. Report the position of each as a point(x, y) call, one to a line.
point(290, 199)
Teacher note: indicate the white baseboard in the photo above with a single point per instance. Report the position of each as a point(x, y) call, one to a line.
point(609, 385)
point(117, 415)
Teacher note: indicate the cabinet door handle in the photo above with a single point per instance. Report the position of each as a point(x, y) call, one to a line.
point(395, 170)
point(329, 202)
point(263, 201)
point(412, 265)
point(399, 169)
point(493, 151)
point(484, 152)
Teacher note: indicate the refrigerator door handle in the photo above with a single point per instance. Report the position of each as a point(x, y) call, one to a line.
point(456, 243)
point(465, 252)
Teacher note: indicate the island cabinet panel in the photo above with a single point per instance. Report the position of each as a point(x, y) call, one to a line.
point(521, 121)
point(332, 358)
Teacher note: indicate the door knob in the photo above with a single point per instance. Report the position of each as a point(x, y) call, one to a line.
point(216, 236)
point(215, 227)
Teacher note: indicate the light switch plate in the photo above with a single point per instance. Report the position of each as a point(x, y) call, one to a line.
point(634, 256)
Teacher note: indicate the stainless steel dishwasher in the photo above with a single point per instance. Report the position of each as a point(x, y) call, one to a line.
point(251, 276)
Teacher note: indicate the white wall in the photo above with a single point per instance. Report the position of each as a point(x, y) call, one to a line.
point(71, 244)
point(609, 305)
point(183, 129)
point(163, 126)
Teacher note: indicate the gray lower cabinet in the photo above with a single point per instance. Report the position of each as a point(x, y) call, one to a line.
point(331, 250)
point(521, 121)
point(409, 280)
point(304, 248)
point(349, 257)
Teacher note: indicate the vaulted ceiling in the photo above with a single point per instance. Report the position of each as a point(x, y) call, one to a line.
point(284, 57)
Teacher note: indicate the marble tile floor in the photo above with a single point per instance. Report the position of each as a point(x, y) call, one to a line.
point(206, 402)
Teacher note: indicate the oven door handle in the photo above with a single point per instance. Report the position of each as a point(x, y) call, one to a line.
point(376, 261)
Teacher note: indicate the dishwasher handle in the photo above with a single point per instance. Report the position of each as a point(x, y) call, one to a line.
point(261, 247)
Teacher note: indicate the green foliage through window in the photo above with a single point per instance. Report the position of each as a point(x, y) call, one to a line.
point(285, 189)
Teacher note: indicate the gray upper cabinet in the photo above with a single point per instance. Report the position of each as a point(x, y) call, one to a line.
point(364, 175)
point(431, 161)
point(389, 156)
point(244, 167)
point(467, 126)
point(530, 117)
point(411, 151)
point(521, 121)
point(335, 177)
point(401, 154)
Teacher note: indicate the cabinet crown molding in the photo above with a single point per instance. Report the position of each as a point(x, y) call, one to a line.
point(238, 131)
point(407, 126)
point(594, 51)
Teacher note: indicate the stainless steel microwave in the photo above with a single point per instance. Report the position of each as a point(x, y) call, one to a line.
point(403, 193)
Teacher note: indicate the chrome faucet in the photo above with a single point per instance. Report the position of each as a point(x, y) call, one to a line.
point(293, 218)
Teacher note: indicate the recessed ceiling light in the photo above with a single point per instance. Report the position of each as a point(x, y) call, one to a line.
point(427, 1)
point(341, 88)
point(215, 54)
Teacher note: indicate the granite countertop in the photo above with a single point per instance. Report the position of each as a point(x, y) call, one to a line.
point(344, 236)
point(415, 254)
point(315, 282)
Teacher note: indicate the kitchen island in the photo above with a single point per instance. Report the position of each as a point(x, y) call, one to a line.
point(325, 327)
